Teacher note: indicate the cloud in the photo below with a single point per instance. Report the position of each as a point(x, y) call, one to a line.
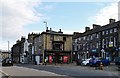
point(48, 7)
point(103, 16)
point(16, 14)
point(79, 0)
point(72, 31)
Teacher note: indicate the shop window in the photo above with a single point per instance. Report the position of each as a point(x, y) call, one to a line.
point(57, 46)
point(106, 31)
point(97, 35)
point(103, 32)
point(111, 30)
point(115, 29)
point(91, 37)
point(103, 43)
point(97, 45)
point(114, 42)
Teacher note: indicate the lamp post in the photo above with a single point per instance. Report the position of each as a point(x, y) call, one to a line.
point(8, 45)
point(8, 49)
point(45, 24)
point(45, 49)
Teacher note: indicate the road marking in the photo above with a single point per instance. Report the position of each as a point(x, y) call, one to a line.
point(5, 74)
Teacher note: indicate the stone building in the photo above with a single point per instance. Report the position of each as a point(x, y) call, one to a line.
point(5, 54)
point(101, 41)
point(53, 46)
point(22, 50)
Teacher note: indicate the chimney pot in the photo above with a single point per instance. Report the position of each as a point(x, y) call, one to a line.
point(60, 30)
point(50, 29)
point(111, 21)
point(87, 28)
point(47, 28)
point(95, 26)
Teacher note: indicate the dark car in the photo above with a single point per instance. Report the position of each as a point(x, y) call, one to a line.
point(93, 61)
point(97, 61)
point(117, 61)
point(104, 61)
point(7, 62)
point(79, 61)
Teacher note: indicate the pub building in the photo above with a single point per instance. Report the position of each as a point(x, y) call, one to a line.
point(53, 46)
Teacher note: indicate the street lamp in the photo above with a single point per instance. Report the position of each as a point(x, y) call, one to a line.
point(45, 24)
point(44, 54)
point(8, 45)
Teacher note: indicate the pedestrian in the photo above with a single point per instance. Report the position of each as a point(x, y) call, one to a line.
point(61, 60)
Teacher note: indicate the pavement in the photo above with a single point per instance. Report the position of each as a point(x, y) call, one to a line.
point(23, 71)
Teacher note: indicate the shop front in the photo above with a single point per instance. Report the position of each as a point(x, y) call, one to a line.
point(94, 53)
point(58, 57)
point(112, 53)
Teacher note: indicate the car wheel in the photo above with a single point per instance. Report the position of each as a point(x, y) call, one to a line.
point(87, 64)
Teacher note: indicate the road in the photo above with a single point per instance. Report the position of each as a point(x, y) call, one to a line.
point(74, 71)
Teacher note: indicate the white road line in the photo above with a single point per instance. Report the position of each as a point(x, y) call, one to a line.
point(4, 73)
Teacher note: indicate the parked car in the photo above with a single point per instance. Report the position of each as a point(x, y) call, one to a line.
point(86, 62)
point(97, 61)
point(79, 61)
point(7, 62)
point(117, 61)
point(93, 61)
point(104, 61)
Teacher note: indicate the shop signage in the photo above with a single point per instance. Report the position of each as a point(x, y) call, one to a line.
point(94, 50)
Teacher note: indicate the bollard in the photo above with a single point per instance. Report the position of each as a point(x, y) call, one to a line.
point(101, 66)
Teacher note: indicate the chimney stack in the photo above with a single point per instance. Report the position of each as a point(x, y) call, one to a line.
point(22, 38)
point(50, 29)
point(17, 41)
point(60, 30)
point(111, 21)
point(87, 28)
point(47, 28)
point(95, 26)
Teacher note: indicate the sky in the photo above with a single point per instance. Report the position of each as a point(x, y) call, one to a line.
point(20, 17)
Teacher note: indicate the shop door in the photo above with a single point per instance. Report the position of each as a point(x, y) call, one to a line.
point(65, 59)
point(50, 59)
